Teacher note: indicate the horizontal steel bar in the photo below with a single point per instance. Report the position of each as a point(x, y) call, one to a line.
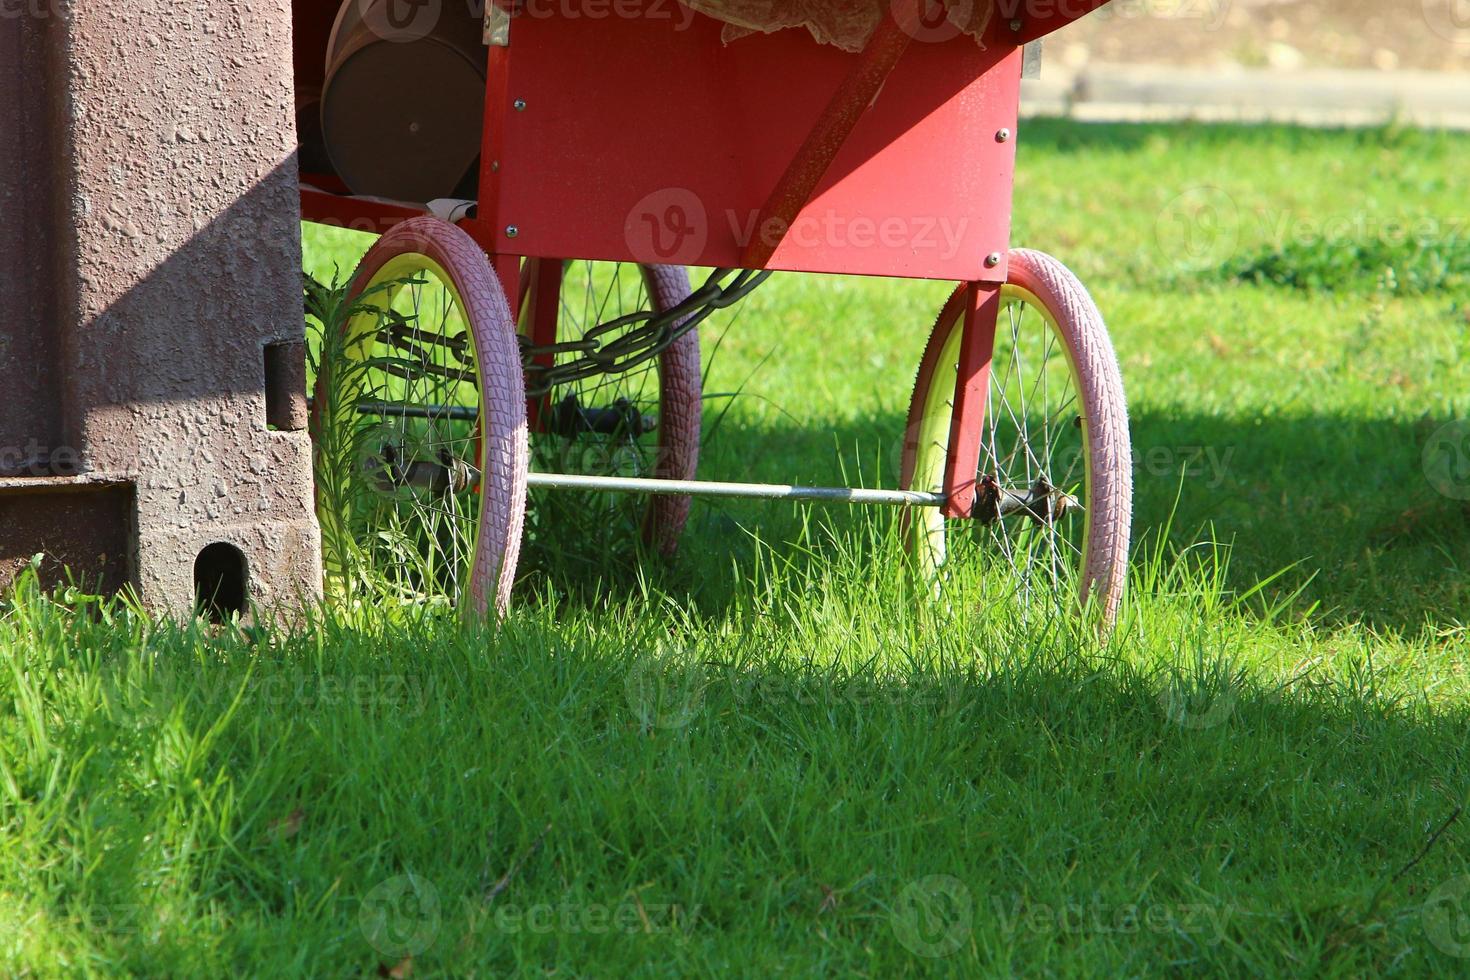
point(755, 491)
point(453, 413)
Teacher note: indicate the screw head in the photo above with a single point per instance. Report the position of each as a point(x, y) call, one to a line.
point(992, 260)
point(1003, 136)
point(511, 231)
point(1016, 25)
point(519, 105)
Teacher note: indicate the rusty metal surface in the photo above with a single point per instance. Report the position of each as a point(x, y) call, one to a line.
point(285, 386)
point(164, 258)
point(84, 529)
point(28, 350)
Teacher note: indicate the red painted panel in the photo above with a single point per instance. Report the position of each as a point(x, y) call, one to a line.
point(972, 388)
point(356, 213)
point(645, 138)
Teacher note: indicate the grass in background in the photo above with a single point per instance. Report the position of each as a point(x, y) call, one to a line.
point(1414, 266)
point(772, 755)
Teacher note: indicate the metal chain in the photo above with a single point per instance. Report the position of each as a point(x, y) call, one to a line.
point(652, 333)
point(648, 333)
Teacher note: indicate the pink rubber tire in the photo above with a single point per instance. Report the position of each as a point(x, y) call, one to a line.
point(1038, 279)
point(504, 449)
point(680, 408)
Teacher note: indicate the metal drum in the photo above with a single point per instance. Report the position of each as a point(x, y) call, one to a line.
point(403, 102)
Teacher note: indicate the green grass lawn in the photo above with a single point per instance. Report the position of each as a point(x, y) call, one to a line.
point(776, 755)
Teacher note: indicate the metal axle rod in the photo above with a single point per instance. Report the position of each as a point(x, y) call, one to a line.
point(757, 491)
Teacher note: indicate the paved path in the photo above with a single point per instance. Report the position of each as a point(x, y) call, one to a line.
point(1137, 93)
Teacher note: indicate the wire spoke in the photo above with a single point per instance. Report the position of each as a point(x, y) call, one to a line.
point(1028, 443)
point(415, 426)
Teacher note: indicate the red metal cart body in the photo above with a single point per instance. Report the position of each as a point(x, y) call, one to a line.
point(679, 168)
point(632, 132)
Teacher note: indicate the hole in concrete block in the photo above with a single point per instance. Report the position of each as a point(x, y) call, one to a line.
point(285, 385)
point(221, 580)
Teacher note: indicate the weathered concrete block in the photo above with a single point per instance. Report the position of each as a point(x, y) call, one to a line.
point(150, 160)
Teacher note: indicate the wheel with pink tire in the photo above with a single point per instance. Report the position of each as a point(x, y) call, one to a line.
point(642, 420)
point(419, 426)
point(1054, 488)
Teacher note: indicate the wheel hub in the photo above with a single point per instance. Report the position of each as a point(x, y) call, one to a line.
point(1040, 503)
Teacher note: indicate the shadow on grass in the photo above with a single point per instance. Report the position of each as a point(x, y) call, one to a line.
point(248, 802)
point(1344, 503)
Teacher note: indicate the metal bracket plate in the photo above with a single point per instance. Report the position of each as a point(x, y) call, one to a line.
point(497, 25)
point(1031, 60)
